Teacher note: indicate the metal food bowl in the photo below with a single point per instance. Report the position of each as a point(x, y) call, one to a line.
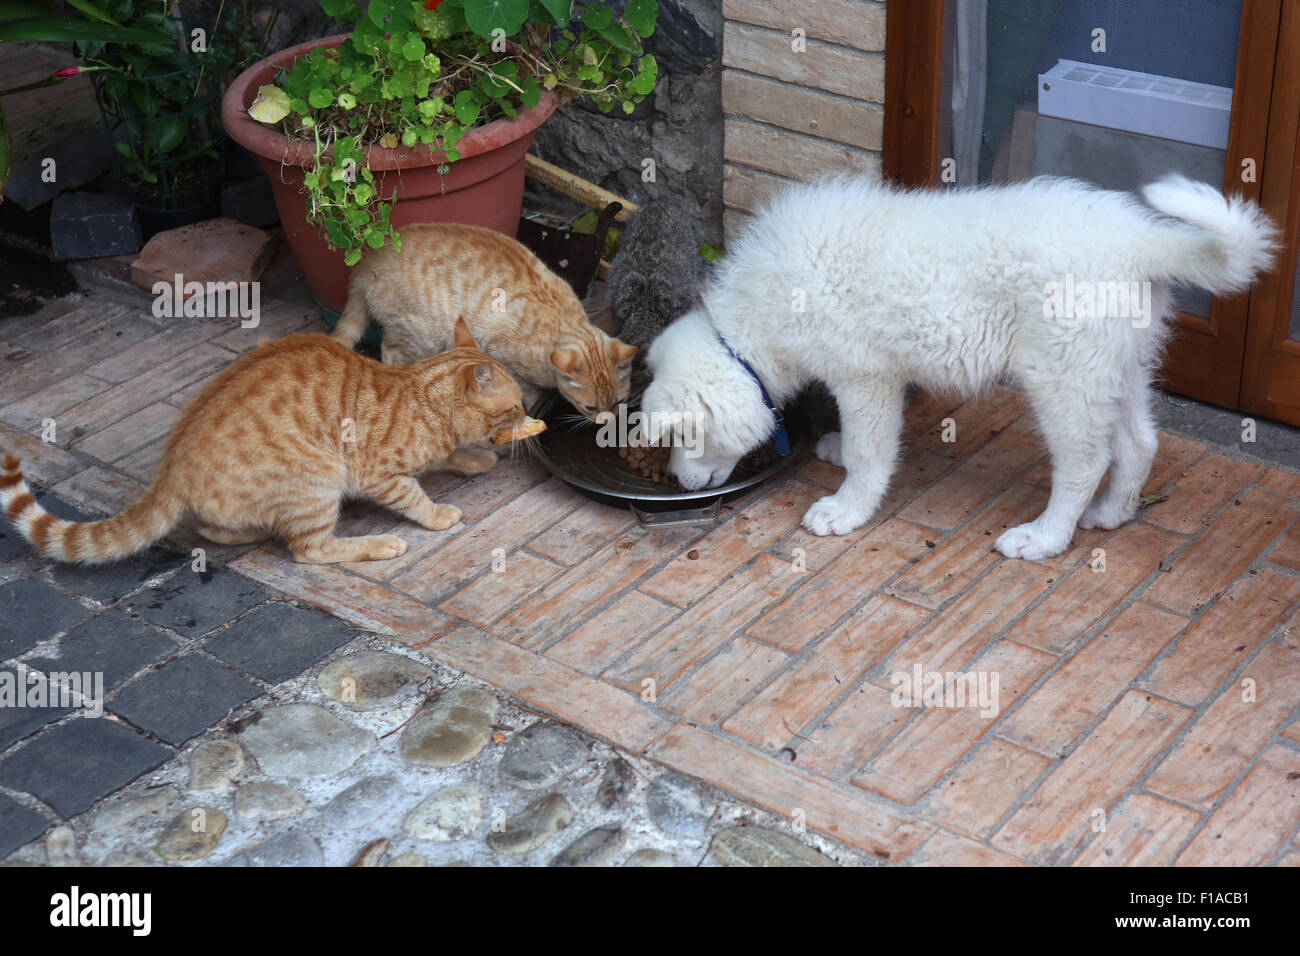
point(569, 450)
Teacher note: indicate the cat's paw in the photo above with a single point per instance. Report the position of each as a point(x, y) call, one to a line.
point(828, 449)
point(381, 547)
point(1032, 542)
point(442, 517)
point(469, 461)
point(831, 515)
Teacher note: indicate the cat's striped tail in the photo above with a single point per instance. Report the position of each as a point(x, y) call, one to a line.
point(87, 542)
point(354, 318)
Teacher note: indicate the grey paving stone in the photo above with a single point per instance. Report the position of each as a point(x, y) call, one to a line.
point(17, 723)
point(279, 641)
point(86, 225)
point(30, 612)
point(19, 825)
point(73, 765)
point(111, 643)
point(107, 583)
point(195, 604)
point(183, 698)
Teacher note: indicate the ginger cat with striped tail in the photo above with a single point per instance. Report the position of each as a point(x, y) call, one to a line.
point(520, 312)
point(272, 445)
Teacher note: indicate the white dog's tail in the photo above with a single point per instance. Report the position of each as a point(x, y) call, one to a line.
point(1238, 240)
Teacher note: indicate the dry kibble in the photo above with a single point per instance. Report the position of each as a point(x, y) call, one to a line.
point(652, 461)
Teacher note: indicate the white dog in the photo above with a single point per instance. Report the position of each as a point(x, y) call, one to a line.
point(1059, 285)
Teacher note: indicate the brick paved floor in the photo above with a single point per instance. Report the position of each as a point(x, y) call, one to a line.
point(1149, 678)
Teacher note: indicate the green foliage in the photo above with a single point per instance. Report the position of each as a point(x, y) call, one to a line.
point(711, 253)
point(419, 73)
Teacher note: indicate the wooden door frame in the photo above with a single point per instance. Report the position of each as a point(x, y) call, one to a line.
point(1268, 341)
point(1205, 358)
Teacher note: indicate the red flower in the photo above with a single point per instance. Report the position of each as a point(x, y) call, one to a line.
point(432, 4)
point(74, 70)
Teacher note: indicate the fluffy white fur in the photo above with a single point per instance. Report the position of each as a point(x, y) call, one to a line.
point(946, 290)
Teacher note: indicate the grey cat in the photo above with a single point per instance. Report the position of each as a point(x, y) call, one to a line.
point(657, 274)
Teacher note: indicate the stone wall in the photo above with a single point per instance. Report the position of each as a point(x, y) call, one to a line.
point(679, 126)
point(803, 88)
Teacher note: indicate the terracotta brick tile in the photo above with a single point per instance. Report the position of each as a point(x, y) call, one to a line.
point(1231, 731)
point(948, 569)
point(852, 732)
point(464, 556)
point(974, 424)
point(1292, 731)
point(708, 625)
point(947, 849)
point(1086, 595)
point(1059, 814)
point(573, 597)
point(1224, 636)
point(1283, 482)
point(43, 464)
point(479, 494)
point(1255, 820)
point(803, 110)
point(724, 682)
point(1142, 831)
point(918, 470)
point(829, 808)
point(1291, 859)
point(822, 473)
point(979, 477)
point(493, 593)
point(579, 534)
point(419, 541)
point(841, 659)
point(925, 409)
point(178, 336)
point(546, 685)
point(1082, 690)
point(786, 152)
point(119, 440)
point(1199, 495)
point(732, 544)
point(29, 413)
point(1220, 553)
point(981, 790)
point(348, 596)
point(838, 21)
point(613, 632)
point(960, 631)
point(836, 589)
point(828, 67)
point(929, 747)
point(1287, 550)
point(122, 400)
point(101, 489)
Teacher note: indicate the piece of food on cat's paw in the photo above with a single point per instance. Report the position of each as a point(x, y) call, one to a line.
point(525, 429)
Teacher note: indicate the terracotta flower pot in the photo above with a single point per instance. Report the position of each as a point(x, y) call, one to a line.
point(485, 187)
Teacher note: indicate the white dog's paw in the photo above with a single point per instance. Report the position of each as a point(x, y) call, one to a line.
point(1031, 542)
point(830, 515)
point(1102, 515)
point(828, 449)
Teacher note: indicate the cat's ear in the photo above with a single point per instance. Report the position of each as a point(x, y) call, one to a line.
point(621, 351)
point(565, 359)
point(464, 340)
point(483, 378)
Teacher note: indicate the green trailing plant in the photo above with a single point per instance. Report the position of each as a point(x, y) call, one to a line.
point(420, 74)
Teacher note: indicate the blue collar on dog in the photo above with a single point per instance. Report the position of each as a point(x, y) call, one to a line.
point(780, 437)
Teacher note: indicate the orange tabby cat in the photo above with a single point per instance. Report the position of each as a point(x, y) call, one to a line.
point(522, 314)
point(274, 442)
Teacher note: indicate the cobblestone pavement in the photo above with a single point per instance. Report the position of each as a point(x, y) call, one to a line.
point(1148, 678)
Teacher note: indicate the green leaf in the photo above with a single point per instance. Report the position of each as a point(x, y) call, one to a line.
point(644, 83)
point(270, 106)
point(597, 18)
point(641, 15)
point(532, 93)
point(467, 107)
point(559, 10)
point(393, 16)
point(336, 8)
point(484, 16)
point(413, 49)
point(16, 9)
point(320, 98)
point(352, 257)
point(60, 29)
point(165, 135)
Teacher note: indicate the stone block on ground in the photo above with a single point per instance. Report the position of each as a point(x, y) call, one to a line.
point(217, 250)
point(91, 225)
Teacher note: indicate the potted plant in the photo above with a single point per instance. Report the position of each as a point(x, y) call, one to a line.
point(423, 113)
